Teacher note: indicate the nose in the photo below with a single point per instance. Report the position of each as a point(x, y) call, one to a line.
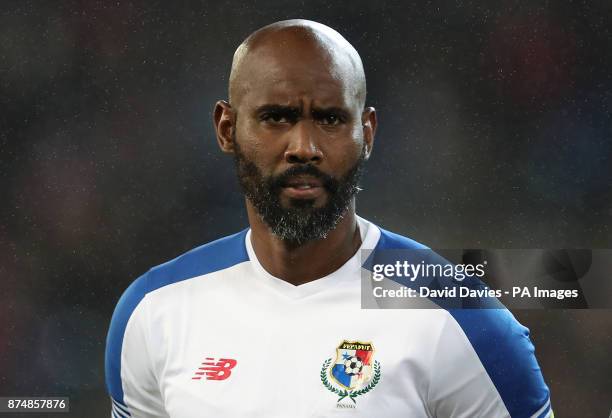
point(302, 147)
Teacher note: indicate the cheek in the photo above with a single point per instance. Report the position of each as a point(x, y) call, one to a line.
point(354, 139)
point(342, 159)
point(353, 146)
point(357, 132)
point(257, 149)
point(247, 139)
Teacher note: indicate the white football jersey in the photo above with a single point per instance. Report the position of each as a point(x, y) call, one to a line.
point(213, 334)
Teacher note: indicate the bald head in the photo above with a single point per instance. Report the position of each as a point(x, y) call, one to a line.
point(301, 48)
point(297, 95)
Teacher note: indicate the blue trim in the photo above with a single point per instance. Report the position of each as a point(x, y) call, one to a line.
point(120, 408)
point(117, 411)
point(389, 240)
point(546, 412)
point(507, 354)
point(500, 341)
point(218, 255)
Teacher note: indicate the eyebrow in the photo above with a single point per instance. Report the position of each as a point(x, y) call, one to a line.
point(280, 109)
point(293, 111)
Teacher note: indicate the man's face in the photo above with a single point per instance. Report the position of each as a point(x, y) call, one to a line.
point(299, 144)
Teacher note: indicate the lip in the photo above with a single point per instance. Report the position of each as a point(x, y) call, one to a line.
point(303, 187)
point(303, 193)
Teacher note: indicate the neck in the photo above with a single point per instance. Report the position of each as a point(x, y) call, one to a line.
point(307, 262)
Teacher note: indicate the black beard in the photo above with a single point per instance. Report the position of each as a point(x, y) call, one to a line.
point(301, 221)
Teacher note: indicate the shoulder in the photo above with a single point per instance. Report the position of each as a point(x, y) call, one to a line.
point(205, 259)
point(492, 336)
point(209, 258)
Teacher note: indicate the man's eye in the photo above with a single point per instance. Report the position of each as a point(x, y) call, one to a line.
point(331, 120)
point(274, 118)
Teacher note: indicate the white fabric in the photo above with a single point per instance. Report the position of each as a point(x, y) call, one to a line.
point(280, 335)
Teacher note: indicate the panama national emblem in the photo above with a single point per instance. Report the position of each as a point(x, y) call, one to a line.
point(354, 371)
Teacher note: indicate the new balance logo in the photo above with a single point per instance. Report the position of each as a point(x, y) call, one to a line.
point(215, 370)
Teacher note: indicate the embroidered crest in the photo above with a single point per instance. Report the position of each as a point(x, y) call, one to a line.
point(354, 371)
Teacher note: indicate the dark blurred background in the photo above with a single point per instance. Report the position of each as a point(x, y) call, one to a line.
point(495, 132)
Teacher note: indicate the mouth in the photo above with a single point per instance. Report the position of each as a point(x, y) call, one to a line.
point(303, 187)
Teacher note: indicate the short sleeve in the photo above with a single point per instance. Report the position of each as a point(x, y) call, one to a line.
point(130, 378)
point(484, 366)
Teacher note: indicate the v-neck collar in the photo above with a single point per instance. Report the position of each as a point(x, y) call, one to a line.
point(348, 271)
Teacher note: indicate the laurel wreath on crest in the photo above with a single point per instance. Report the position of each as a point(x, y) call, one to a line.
point(351, 394)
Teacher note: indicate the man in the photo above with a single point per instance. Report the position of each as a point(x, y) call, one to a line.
point(267, 322)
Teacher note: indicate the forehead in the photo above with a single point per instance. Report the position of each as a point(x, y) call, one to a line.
point(274, 76)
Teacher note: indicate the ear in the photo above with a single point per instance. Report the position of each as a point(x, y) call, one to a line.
point(369, 122)
point(224, 120)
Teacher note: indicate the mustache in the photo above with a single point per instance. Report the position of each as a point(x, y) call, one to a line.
point(329, 182)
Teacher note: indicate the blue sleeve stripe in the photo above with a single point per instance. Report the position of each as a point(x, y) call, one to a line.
point(119, 413)
point(545, 411)
point(120, 408)
point(502, 345)
point(218, 255)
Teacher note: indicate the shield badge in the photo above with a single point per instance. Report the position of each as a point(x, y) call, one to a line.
point(353, 366)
